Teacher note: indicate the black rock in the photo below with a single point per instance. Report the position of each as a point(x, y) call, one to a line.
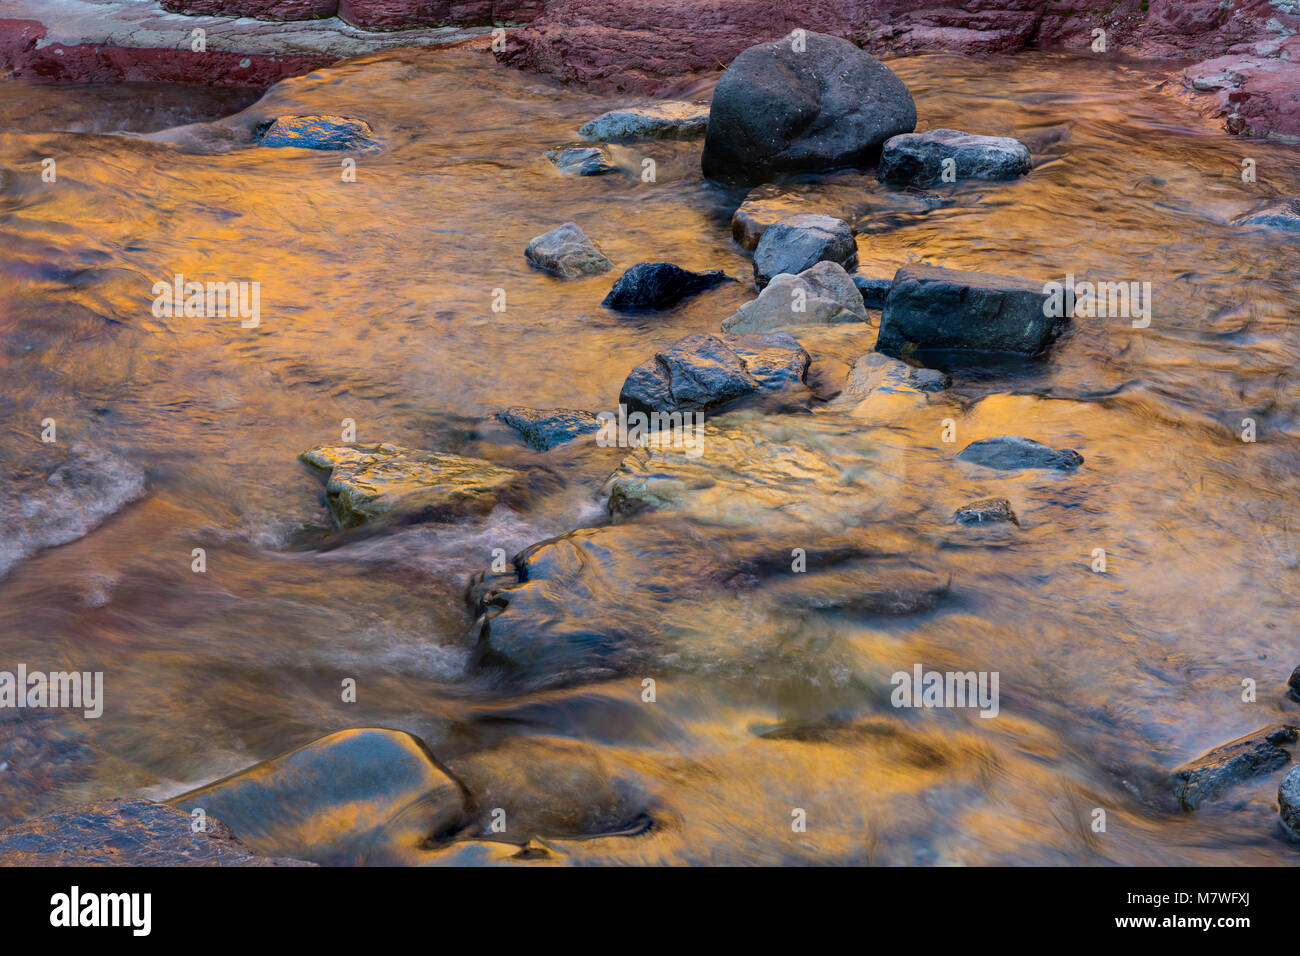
point(874, 291)
point(543, 429)
point(779, 108)
point(1237, 761)
point(658, 285)
point(1293, 685)
point(917, 159)
point(793, 245)
point(933, 308)
point(986, 511)
point(705, 372)
point(1010, 452)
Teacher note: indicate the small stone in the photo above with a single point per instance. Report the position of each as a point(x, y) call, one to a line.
point(667, 120)
point(582, 160)
point(566, 251)
point(800, 242)
point(986, 511)
point(543, 429)
point(1010, 452)
point(918, 159)
point(821, 295)
point(318, 132)
point(658, 285)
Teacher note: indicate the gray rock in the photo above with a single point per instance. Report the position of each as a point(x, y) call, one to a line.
point(666, 120)
point(357, 797)
point(986, 511)
point(1010, 452)
point(658, 285)
point(1293, 685)
point(543, 429)
point(1237, 761)
point(874, 292)
point(1288, 801)
point(825, 292)
point(917, 159)
point(582, 160)
point(929, 308)
point(706, 372)
point(875, 372)
point(566, 251)
point(780, 109)
point(1281, 214)
point(318, 132)
point(800, 242)
point(126, 833)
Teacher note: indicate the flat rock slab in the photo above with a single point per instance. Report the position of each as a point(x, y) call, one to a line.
point(707, 372)
point(799, 243)
point(126, 833)
point(357, 797)
point(543, 429)
point(368, 482)
point(666, 120)
point(318, 132)
point(921, 159)
point(1237, 761)
point(566, 252)
point(582, 160)
point(931, 308)
point(986, 511)
point(658, 285)
point(1011, 452)
point(821, 295)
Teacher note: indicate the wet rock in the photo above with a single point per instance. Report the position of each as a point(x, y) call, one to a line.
point(875, 372)
point(1010, 452)
point(125, 833)
point(930, 308)
point(887, 587)
point(1281, 214)
point(986, 511)
point(566, 251)
point(821, 295)
point(368, 482)
point(582, 160)
point(842, 196)
point(706, 372)
point(1293, 685)
point(779, 109)
point(658, 285)
point(318, 132)
point(1237, 761)
point(358, 797)
point(918, 159)
point(1288, 800)
point(665, 120)
point(799, 243)
point(543, 429)
point(873, 291)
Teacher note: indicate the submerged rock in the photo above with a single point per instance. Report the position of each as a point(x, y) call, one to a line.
point(796, 244)
point(875, 376)
point(358, 797)
point(705, 372)
point(582, 160)
point(944, 309)
point(1237, 761)
point(367, 482)
point(805, 102)
point(1010, 452)
point(918, 159)
point(874, 292)
point(821, 295)
point(125, 833)
point(318, 132)
point(1288, 800)
point(1281, 214)
point(887, 587)
point(543, 429)
point(667, 120)
point(986, 511)
point(566, 251)
point(658, 285)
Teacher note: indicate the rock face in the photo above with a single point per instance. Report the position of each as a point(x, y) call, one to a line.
point(788, 106)
point(933, 308)
point(1010, 453)
point(821, 295)
point(986, 511)
point(261, 9)
point(1288, 799)
point(566, 251)
point(368, 482)
point(874, 291)
point(1235, 762)
point(666, 120)
point(404, 14)
point(706, 372)
point(125, 833)
point(1279, 214)
point(582, 160)
point(800, 242)
point(542, 429)
point(658, 285)
point(918, 159)
point(318, 132)
point(357, 797)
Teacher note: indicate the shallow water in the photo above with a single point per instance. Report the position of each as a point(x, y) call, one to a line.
point(376, 306)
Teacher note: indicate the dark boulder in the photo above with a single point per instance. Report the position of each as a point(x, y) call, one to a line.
point(1237, 761)
point(658, 285)
point(986, 511)
point(317, 132)
point(793, 245)
point(930, 308)
point(917, 159)
point(543, 429)
point(874, 291)
point(1293, 685)
point(805, 102)
point(1010, 452)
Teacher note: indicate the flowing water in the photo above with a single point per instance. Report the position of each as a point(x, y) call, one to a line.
point(180, 433)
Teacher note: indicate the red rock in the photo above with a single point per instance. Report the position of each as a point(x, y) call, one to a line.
point(401, 14)
point(261, 9)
